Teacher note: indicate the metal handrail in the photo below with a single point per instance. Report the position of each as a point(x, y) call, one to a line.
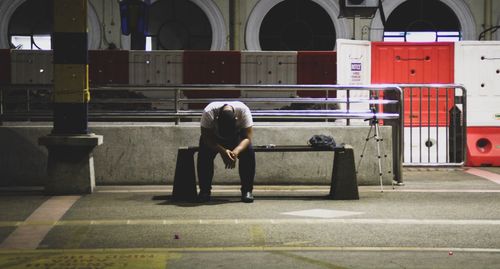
point(304, 100)
point(177, 112)
point(178, 100)
point(265, 87)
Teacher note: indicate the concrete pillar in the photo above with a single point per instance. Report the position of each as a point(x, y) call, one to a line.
point(70, 164)
point(70, 168)
point(234, 25)
point(71, 87)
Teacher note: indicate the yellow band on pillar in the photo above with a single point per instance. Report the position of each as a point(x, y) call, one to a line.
point(71, 83)
point(71, 16)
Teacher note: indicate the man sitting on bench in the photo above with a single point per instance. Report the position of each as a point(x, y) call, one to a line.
point(226, 128)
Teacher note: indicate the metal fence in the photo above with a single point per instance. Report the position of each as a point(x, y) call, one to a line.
point(435, 123)
point(428, 120)
point(171, 103)
point(185, 103)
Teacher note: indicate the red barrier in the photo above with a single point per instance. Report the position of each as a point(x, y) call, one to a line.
point(316, 67)
point(108, 67)
point(483, 146)
point(417, 63)
point(211, 67)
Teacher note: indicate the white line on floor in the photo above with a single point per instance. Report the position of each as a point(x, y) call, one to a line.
point(30, 236)
point(31, 224)
point(312, 191)
point(250, 249)
point(484, 174)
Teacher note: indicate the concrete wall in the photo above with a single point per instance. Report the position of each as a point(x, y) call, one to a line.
point(145, 154)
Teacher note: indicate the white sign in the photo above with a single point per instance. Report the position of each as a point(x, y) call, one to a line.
point(356, 76)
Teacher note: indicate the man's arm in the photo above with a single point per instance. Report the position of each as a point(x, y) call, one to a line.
point(227, 155)
point(247, 132)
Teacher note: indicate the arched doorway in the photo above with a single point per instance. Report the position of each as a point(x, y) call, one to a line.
point(185, 24)
point(417, 20)
point(297, 25)
point(271, 25)
point(31, 25)
point(9, 8)
point(461, 10)
point(178, 25)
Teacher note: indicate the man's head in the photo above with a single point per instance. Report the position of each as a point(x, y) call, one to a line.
point(226, 122)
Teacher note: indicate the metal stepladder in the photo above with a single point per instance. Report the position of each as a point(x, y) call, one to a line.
point(374, 127)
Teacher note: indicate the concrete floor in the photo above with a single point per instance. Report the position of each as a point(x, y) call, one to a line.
point(446, 218)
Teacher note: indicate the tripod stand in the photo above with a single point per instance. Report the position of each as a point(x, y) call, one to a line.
point(374, 126)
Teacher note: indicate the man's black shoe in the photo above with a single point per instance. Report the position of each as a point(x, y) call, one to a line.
point(247, 197)
point(203, 197)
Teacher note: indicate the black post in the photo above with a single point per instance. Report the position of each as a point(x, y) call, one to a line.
point(455, 138)
point(344, 185)
point(184, 188)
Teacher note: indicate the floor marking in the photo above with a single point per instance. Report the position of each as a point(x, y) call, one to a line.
point(142, 251)
point(444, 191)
point(307, 260)
point(484, 174)
point(297, 243)
point(108, 259)
point(362, 189)
point(31, 225)
point(258, 235)
point(322, 213)
point(317, 190)
point(40, 222)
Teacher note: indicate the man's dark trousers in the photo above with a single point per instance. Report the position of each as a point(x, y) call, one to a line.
point(205, 165)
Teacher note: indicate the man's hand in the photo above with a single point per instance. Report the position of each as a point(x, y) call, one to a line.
point(229, 159)
point(247, 134)
point(235, 153)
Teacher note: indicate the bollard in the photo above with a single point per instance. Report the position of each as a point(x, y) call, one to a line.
point(344, 185)
point(185, 179)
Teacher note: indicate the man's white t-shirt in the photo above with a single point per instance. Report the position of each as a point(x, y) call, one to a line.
point(241, 111)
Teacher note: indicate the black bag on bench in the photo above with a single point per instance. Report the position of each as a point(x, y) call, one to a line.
point(322, 141)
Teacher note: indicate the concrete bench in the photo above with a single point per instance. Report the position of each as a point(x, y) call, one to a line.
point(343, 186)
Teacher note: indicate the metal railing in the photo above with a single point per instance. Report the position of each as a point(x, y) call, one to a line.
point(432, 125)
point(429, 120)
point(33, 102)
point(435, 123)
point(170, 103)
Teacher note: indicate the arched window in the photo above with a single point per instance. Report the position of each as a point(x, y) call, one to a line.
point(31, 25)
point(422, 20)
point(178, 25)
point(261, 10)
point(297, 25)
point(27, 24)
